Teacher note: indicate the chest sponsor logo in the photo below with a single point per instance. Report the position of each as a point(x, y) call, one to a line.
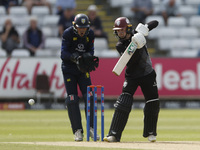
point(80, 48)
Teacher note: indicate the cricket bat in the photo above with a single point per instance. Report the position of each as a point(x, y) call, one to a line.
point(123, 60)
point(130, 50)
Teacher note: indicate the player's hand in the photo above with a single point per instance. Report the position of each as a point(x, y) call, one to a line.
point(88, 63)
point(92, 62)
point(143, 29)
point(139, 40)
point(75, 57)
point(132, 48)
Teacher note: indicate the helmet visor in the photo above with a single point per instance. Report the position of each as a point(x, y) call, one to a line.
point(82, 26)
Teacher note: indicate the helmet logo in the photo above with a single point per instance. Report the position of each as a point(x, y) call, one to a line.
point(83, 20)
point(118, 22)
point(127, 21)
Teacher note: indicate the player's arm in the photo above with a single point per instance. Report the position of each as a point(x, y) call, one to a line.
point(138, 41)
point(144, 29)
point(91, 42)
point(66, 55)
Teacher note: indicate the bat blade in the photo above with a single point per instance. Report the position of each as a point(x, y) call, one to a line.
point(120, 65)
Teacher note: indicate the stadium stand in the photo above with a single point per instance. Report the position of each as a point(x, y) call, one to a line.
point(177, 22)
point(2, 53)
point(194, 21)
point(186, 27)
point(156, 17)
point(100, 44)
point(3, 19)
point(52, 2)
point(193, 3)
point(187, 10)
point(167, 32)
point(40, 12)
point(53, 44)
point(18, 11)
point(43, 53)
point(179, 32)
point(163, 44)
point(109, 54)
point(188, 32)
point(20, 53)
point(191, 53)
point(195, 44)
point(179, 43)
point(21, 30)
point(2, 11)
point(126, 11)
point(153, 35)
point(50, 20)
point(47, 31)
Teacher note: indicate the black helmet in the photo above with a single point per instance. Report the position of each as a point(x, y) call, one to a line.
point(81, 21)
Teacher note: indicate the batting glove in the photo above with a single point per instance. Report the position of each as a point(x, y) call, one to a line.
point(142, 29)
point(139, 40)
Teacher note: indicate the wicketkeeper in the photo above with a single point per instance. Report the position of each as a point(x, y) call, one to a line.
point(78, 60)
point(139, 72)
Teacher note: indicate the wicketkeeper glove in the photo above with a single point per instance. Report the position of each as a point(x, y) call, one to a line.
point(81, 65)
point(75, 57)
point(93, 63)
point(88, 63)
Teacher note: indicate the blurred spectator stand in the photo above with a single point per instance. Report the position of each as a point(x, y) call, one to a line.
point(9, 37)
point(95, 22)
point(65, 20)
point(31, 3)
point(33, 37)
point(61, 5)
point(142, 9)
point(169, 8)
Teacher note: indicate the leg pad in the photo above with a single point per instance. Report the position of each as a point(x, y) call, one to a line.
point(151, 111)
point(122, 109)
point(72, 103)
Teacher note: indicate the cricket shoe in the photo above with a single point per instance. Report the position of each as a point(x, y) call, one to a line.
point(110, 139)
point(152, 138)
point(78, 136)
point(92, 134)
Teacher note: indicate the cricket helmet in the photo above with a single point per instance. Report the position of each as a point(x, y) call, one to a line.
point(122, 22)
point(81, 21)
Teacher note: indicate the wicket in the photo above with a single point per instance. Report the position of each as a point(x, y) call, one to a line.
point(89, 93)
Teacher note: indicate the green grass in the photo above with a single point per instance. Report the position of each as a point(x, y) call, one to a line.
point(54, 125)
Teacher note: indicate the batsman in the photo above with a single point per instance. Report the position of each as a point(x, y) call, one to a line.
point(78, 60)
point(139, 72)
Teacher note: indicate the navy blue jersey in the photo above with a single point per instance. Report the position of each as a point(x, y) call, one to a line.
point(71, 43)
